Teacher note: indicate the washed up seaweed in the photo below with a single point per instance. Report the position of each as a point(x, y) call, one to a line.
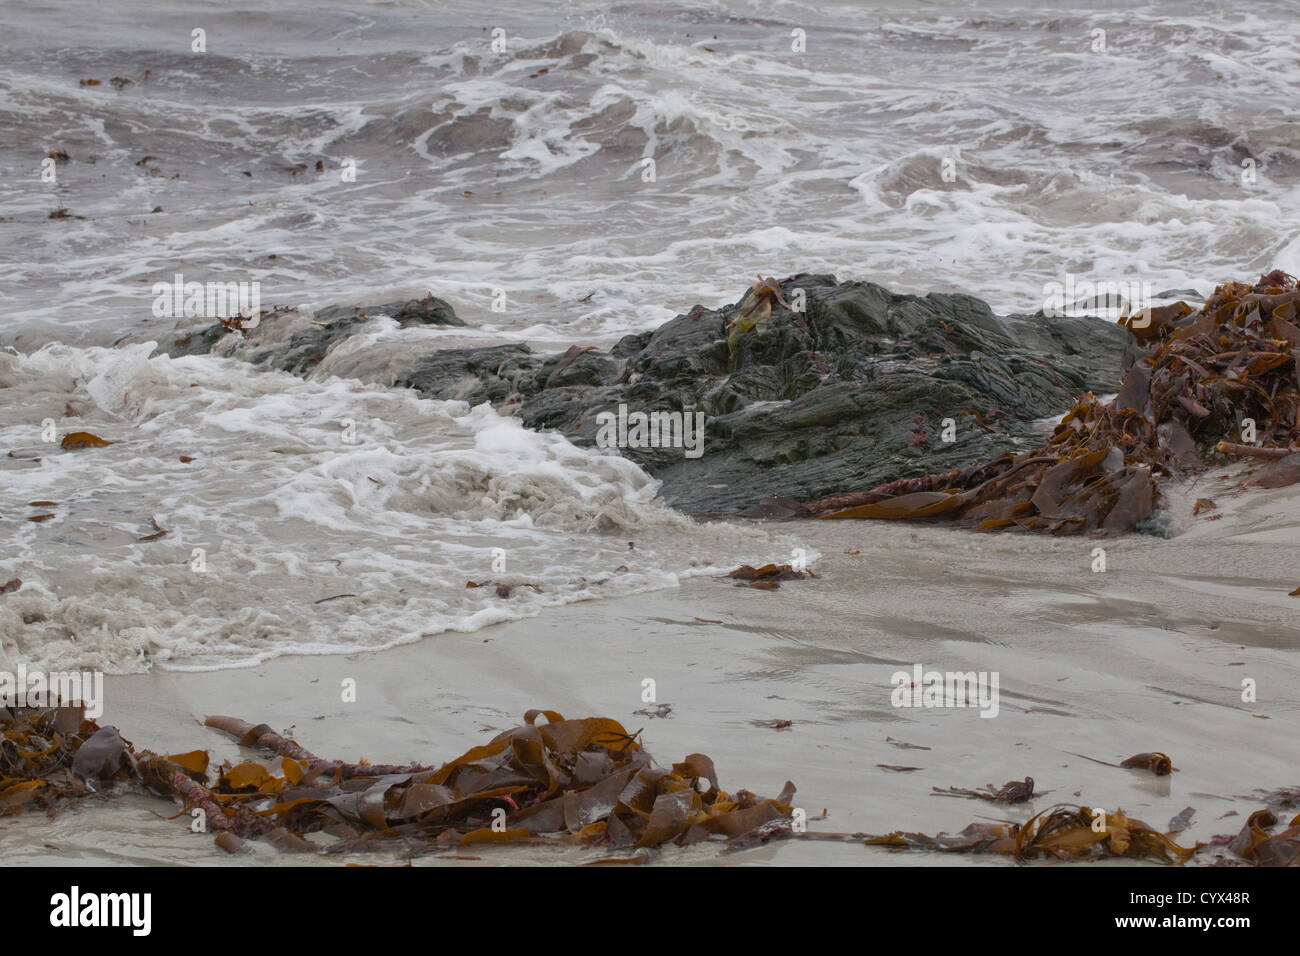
point(584, 783)
point(549, 781)
point(1064, 832)
point(1194, 383)
point(1257, 845)
point(1014, 791)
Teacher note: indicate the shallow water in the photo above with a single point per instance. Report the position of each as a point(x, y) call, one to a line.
point(313, 517)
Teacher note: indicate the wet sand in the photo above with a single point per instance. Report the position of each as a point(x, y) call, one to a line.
point(1148, 655)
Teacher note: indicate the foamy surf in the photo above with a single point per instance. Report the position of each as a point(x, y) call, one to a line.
point(522, 170)
point(315, 517)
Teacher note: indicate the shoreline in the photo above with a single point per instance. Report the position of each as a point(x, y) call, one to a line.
point(1146, 656)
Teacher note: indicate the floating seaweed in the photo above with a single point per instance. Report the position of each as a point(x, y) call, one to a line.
point(83, 440)
point(1190, 378)
point(768, 577)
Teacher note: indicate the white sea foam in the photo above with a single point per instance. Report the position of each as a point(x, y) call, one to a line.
point(521, 170)
point(289, 513)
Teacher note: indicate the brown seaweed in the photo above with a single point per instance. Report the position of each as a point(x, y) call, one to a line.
point(83, 440)
point(1065, 832)
point(768, 577)
point(1257, 846)
point(549, 781)
point(1014, 791)
point(1193, 380)
point(1158, 763)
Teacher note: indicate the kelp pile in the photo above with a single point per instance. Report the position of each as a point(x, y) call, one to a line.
point(1194, 382)
point(584, 782)
point(49, 754)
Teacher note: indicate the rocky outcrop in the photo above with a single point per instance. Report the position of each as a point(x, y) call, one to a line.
point(300, 348)
point(850, 392)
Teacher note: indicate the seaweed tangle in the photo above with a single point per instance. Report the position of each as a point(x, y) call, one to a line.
point(1064, 832)
point(584, 782)
point(1193, 382)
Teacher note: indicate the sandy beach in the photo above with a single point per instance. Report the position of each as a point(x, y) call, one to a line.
point(1148, 655)
point(750, 375)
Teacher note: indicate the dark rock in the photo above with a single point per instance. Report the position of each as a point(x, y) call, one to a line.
point(850, 394)
point(427, 311)
point(198, 341)
point(309, 340)
point(474, 375)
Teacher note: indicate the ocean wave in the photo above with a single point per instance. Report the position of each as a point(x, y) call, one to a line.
point(297, 492)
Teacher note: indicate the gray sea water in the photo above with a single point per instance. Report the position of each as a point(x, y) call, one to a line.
point(598, 168)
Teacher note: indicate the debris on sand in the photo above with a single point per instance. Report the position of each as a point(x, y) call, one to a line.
point(1181, 821)
point(1014, 791)
point(1194, 381)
